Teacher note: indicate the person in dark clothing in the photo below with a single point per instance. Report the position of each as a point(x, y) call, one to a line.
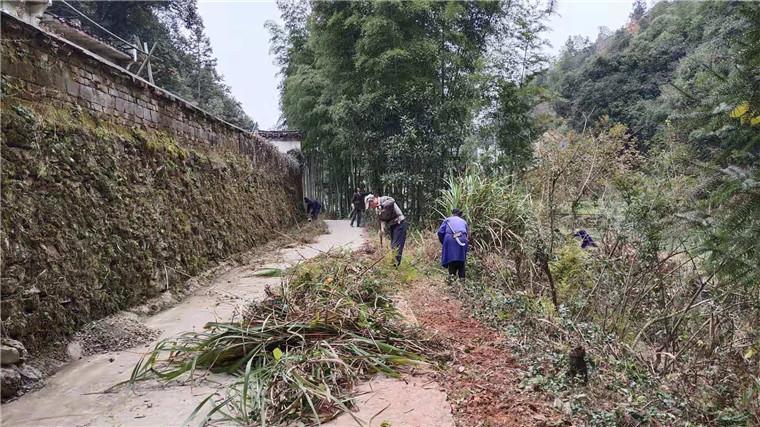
point(398, 239)
point(392, 221)
point(586, 240)
point(453, 235)
point(356, 214)
point(312, 208)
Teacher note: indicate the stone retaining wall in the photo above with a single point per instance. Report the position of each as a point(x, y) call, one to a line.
point(115, 191)
point(47, 68)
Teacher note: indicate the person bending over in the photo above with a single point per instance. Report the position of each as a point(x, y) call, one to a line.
point(312, 208)
point(392, 221)
point(453, 235)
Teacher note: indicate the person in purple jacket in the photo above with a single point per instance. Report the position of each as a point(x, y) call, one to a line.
point(453, 235)
point(586, 240)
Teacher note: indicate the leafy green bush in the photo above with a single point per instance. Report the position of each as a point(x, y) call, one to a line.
point(498, 213)
point(572, 272)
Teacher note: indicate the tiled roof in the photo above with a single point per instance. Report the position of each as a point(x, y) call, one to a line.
point(281, 135)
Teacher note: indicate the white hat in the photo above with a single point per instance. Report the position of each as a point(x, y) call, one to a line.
point(367, 198)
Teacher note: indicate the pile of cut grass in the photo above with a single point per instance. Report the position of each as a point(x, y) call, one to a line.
point(298, 354)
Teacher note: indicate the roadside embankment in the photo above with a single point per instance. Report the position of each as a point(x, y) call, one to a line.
point(97, 218)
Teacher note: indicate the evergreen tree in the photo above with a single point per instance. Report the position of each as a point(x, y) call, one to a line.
point(639, 9)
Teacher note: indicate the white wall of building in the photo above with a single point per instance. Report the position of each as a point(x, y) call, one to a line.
point(285, 146)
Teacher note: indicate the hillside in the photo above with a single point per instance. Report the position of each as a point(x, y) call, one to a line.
point(670, 64)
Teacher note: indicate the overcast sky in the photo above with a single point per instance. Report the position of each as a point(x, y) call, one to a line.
point(241, 43)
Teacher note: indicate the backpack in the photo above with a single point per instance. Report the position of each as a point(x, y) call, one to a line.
point(388, 212)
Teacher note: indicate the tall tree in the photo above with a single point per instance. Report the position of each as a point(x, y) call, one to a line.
point(387, 92)
point(639, 9)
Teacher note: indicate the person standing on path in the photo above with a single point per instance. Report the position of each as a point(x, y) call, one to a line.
point(358, 201)
point(453, 235)
point(392, 221)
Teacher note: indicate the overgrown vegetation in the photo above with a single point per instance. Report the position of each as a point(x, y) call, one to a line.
point(498, 211)
point(298, 354)
point(672, 334)
point(669, 343)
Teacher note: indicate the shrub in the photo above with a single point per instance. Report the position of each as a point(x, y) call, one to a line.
point(498, 213)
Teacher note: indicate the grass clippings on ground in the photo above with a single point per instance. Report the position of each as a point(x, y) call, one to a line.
point(298, 354)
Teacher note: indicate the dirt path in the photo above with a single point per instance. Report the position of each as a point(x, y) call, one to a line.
point(73, 396)
point(483, 378)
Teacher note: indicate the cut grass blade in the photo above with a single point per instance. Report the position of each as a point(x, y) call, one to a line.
point(268, 272)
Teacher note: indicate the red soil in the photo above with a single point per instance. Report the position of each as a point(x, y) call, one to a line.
point(482, 377)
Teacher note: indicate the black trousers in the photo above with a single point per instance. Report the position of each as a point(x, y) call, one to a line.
point(398, 240)
point(356, 214)
point(456, 268)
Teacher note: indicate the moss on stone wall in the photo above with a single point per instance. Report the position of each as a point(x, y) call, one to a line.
point(97, 218)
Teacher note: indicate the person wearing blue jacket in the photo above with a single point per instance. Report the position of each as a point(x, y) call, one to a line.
point(453, 235)
point(312, 208)
point(586, 240)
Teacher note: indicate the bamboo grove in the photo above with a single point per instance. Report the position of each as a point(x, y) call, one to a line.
point(388, 93)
